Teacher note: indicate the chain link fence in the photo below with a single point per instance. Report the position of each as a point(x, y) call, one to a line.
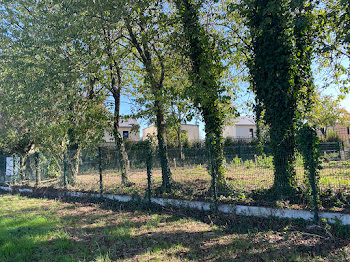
point(99, 170)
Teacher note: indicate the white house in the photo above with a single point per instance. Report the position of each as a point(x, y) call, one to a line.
point(192, 132)
point(128, 129)
point(241, 127)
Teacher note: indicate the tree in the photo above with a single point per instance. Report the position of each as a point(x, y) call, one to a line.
point(332, 44)
point(280, 70)
point(147, 30)
point(44, 67)
point(207, 93)
point(326, 113)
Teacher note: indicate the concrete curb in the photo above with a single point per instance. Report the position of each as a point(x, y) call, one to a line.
point(206, 206)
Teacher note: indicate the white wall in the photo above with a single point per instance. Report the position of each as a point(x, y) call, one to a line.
point(192, 132)
point(133, 136)
point(243, 131)
point(229, 131)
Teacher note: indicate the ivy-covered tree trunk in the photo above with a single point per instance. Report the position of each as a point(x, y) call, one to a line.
point(214, 137)
point(280, 68)
point(28, 169)
point(73, 162)
point(273, 72)
point(283, 151)
point(36, 157)
point(206, 90)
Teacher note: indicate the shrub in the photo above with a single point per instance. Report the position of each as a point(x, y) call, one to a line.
point(236, 162)
point(264, 161)
point(249, 163)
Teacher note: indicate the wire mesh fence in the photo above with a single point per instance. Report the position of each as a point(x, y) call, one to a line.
point(99, 170)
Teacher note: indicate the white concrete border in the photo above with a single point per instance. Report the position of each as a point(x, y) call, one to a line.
point(7, 189)
point(205, 206)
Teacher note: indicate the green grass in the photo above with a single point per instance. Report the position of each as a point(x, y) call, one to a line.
point(48, 230)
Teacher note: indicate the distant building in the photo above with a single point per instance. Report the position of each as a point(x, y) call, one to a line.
point(128, 129)
point(241, 127)
point(192, 132)
point(342, 131)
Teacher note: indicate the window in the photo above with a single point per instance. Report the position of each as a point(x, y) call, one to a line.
point(125, 134)
point(348, 129)
point(251, 131)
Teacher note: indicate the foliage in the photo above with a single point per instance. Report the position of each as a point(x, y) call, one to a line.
point(207, 93)
point(332, 136)
point(264, 161)
point(333, 44)
point(280, 71)
point(308, 141)
point(236, 162)
point(249, 164)
point(326, 112)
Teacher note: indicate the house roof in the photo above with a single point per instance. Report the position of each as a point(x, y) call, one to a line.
point(128, 122)
point(244, 121)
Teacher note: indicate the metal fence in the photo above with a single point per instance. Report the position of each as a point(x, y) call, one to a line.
point(98, 170)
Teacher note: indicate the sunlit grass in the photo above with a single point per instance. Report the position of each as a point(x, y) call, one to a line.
point(48, 230)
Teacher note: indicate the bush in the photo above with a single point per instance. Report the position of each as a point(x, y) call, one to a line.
point(264, 161)
point(249, 164)
point(332, 136)
point(236, 162)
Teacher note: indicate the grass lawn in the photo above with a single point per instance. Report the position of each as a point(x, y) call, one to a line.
point(49, 230)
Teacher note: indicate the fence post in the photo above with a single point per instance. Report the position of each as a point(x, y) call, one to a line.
point(149, 159)
point(13, 169)
point(314, 192)
point(37, 170)
point(100, 169)
point(4, 168)
point(213, 177)
point(64, 170)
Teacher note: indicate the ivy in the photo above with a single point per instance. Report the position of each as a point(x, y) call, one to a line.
point(280, 76)
point(308, 141)
point(206, 91)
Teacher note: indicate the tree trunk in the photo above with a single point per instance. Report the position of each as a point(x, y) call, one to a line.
point(115, 89)
point(37, 169)
point(73, 162)
point(156, 83)
point(22, 168)
point(214, 137)
point(163, 152)
point(28, 169)
point(283, 159)
point(120, 146)
point(206, 85)
point(122, 156)
point(179, 144)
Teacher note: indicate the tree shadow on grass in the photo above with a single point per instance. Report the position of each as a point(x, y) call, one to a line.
point(229, 238)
